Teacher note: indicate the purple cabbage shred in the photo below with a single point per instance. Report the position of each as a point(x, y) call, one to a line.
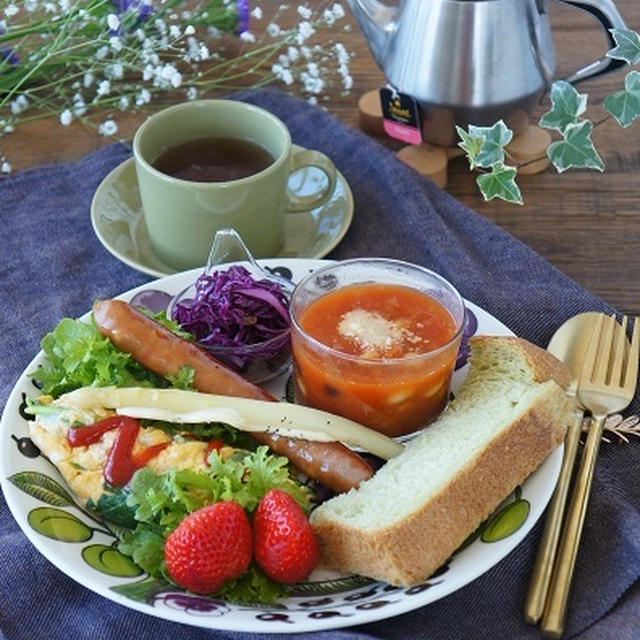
point(232, 309)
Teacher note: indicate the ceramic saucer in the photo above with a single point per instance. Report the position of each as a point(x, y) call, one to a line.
point(116, 216)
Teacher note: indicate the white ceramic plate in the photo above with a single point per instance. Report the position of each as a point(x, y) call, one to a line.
point(116, 217)
point(32, 485)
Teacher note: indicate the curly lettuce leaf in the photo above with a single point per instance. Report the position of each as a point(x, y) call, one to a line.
point(161, 501)
point(77, 355)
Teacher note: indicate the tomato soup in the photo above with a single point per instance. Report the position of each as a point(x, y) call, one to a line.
point(380, 354)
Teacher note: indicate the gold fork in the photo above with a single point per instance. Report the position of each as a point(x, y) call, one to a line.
point(606, 385)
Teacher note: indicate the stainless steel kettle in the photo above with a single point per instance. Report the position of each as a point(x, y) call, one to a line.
point(472, 61)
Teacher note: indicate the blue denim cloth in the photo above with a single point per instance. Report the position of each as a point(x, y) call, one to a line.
point(53, 266)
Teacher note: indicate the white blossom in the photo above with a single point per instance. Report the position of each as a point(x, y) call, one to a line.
point(338, 11)
point(256, 13)
point(108, 128)
point(19, 104)
point(11, 10)
point(305, 31)
point(247, 36)
point(115, 43)
point(115, 70)
point(144, 97)
point(102, 53)
point(124, 103)
point(293, 53)
point(66, 117)
point(5, 167)
point(174, 31)
point(104, 88)
point(341, 53)
point(88, 79)
point(328, 17)
point(189, 30)
point(79, 105)
point(113, 22)
point(347, 82)
point(273, 30)
point(305, 12)
point(192, 93)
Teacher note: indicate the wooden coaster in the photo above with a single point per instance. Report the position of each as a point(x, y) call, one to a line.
point(531, 143)
point(428, 160)
point(370, 112)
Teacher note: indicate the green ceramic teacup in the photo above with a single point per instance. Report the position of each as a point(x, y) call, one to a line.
point(182, 216)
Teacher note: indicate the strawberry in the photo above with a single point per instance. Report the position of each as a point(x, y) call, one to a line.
point(209, 547)
point(284, 545)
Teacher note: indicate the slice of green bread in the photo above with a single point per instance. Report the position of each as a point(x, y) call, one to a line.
point(406, 521)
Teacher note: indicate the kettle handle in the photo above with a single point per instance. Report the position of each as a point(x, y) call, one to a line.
point(609, 16)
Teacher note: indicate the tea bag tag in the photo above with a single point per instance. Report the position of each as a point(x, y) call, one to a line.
point(401, 116)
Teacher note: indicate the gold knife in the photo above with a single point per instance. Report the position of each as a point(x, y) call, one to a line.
point(569, 344)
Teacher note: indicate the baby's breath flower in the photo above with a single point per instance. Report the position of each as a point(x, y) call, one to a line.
point(305, 31)
point(338, 11)
point(121, 54)
point(66, 117)
point(144, 97)
point(5, 167)
point(104, 88)
point(113, 22)
point(19, 104)
point(293, 53)
point(108, 128)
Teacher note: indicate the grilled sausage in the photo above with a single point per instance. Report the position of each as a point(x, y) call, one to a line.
point(165, 353)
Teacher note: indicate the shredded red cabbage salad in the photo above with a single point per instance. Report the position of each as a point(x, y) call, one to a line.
point(232, 309)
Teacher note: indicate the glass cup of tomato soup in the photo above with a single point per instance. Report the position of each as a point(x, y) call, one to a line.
point(376, 340)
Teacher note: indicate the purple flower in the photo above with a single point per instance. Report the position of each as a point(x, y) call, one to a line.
point(243, 9)
point(143, 7)
point(8, 54)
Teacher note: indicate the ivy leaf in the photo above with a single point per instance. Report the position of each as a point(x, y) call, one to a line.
point(627, 46)
point(624, 105)
point(500, 183)
point(575, 149)
point(566, 105)
point(494, 139)
point(470, 144)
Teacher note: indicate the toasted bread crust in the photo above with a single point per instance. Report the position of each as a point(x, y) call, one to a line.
point(544, 365)
point(409, 550)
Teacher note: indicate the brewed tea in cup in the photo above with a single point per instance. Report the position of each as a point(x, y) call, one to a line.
point(212, 164)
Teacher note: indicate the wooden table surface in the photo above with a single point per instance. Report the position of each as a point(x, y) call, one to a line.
point(586, 223)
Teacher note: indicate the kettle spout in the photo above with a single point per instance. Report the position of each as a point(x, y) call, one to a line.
point(376, 21)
